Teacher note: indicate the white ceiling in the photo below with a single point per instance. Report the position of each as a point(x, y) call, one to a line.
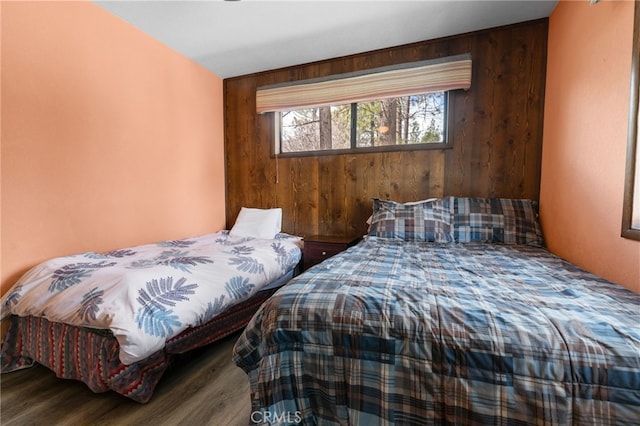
point(232, 38)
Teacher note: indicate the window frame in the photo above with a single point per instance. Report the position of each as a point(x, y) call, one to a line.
point(630, 197)
point(276, 146)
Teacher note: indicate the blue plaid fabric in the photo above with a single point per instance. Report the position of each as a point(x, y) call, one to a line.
point(496, 220)
point(414, 333)
point(428, 220)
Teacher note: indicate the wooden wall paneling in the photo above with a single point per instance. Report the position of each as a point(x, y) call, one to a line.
point(460, 133)
point(518, 167)
point(401, 181)
point(396, 186)
point(415, 174)
point(495, 128)
point(262, 164)
point(497, 132)
point(382, 177)
point(512, 123)
point(463, 121)
point(362, 169)
point(503, 118)
point(338, 204)
point(357, 170)
point(286, 184)
point(534, 112)
point(485, 99)
point(432, 175)
point(299, 199)
point(325, 194)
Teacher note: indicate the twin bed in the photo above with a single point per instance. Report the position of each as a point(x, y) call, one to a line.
point(115, 320)
point(449, 311)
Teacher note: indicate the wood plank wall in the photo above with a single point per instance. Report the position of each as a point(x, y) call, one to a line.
point(495, 128)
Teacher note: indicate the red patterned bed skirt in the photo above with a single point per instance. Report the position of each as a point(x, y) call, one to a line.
point(92, 356)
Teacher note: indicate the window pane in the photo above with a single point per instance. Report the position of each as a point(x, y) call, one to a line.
point(406, 120)
point(316, 129)
point(401, 121)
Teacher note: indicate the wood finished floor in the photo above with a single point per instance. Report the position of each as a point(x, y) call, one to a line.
point(205, 388)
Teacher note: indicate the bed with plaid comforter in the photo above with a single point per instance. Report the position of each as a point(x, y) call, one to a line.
point(393, 332)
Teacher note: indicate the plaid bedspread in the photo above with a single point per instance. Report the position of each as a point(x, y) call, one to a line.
point(425, 333)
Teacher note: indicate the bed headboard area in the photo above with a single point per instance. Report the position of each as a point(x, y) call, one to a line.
point(459, 220)
point(494, 131)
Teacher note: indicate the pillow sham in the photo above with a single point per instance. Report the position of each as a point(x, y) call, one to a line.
point(257, 223)
point(409, 203)
point(496, 220)
point(427, 220)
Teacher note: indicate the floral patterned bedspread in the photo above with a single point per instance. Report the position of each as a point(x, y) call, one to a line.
point(148, 294)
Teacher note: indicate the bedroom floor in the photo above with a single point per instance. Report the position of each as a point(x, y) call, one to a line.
point(205, 388)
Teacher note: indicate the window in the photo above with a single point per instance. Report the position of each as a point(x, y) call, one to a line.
point(631, 205)
point(390, 123)
point(385, 108)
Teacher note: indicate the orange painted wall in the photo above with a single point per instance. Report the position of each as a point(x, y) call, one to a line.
point(109, 138)
point(585, 138)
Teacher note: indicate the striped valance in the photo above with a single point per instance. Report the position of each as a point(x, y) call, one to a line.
point(407, 79)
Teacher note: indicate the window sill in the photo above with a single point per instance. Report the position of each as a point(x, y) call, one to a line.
point(390, 148)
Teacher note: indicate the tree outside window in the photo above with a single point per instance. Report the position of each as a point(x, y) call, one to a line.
point(408, 120)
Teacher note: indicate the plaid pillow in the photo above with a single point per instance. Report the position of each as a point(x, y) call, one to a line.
point(429, 220)
point(496, 220)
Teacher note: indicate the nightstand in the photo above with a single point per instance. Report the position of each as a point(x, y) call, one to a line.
point(320, 247)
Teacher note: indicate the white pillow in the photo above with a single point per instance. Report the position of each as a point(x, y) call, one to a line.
point(257, 223)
